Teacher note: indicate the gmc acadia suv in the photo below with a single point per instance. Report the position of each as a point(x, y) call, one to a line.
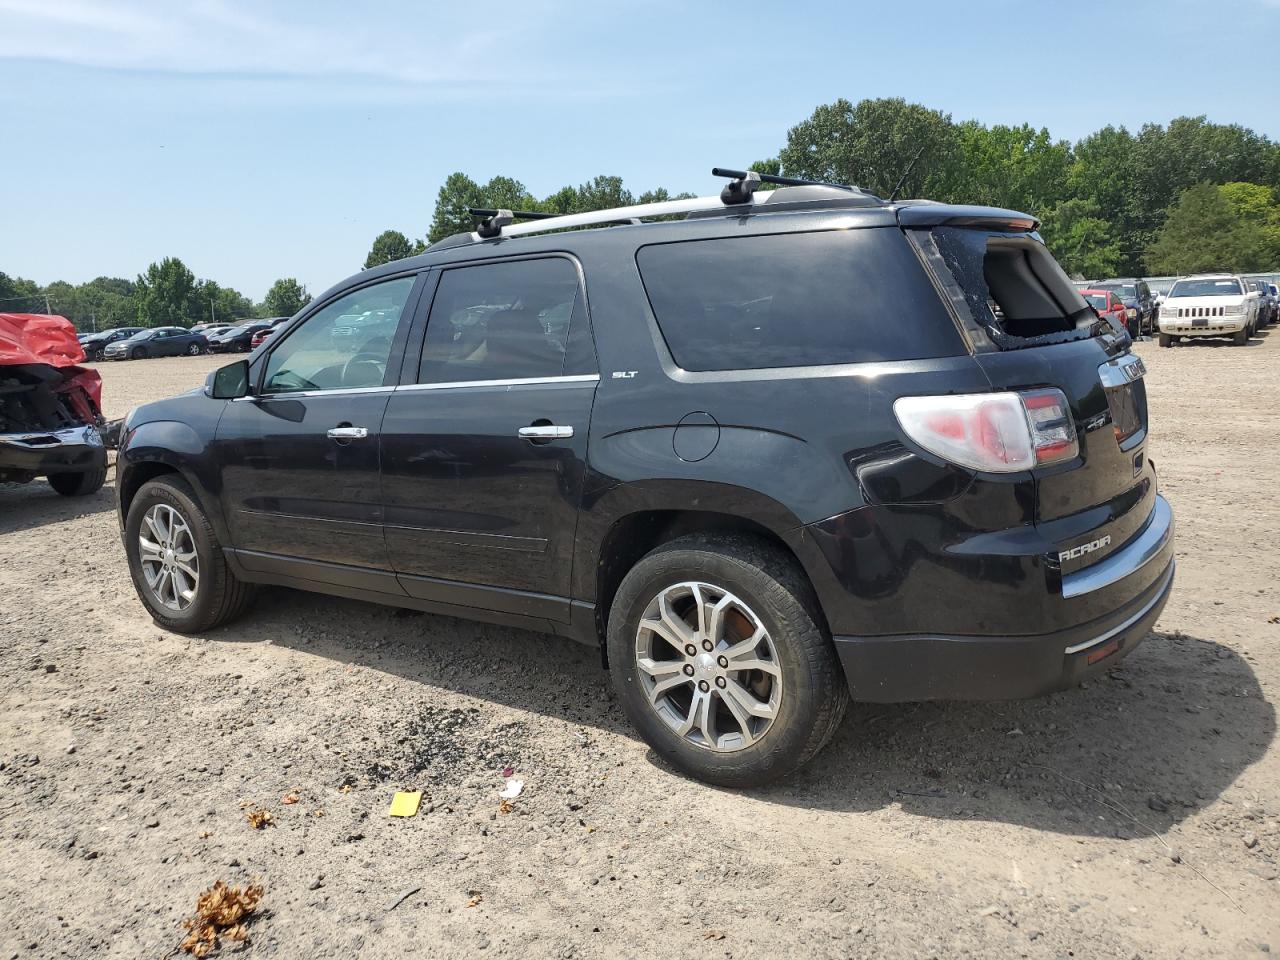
point(769, 452)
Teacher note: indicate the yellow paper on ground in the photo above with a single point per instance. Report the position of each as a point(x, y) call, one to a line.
point(405, 803)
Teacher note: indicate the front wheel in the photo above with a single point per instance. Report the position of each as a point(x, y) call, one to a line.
point(138, 354)
point(1240, 339)
point(176, 562)
point(1166, 340)
point(720, 661)
point(193, 350)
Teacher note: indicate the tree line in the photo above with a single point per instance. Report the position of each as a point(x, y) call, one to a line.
point(1187, 197)
point(167, 294)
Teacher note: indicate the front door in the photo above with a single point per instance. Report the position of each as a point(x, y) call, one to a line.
point(299, 457)
point(484, 445)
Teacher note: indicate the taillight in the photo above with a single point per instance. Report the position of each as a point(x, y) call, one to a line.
point(992, 432)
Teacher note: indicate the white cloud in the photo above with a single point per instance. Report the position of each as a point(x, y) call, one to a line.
point(410, 45)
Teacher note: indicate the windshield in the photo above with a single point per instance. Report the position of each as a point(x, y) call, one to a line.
point(1229, 287)
point(1123, 289)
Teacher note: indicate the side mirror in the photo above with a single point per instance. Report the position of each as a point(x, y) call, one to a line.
point(229, 382)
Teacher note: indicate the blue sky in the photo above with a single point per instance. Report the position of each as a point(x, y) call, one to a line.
point(260, 140)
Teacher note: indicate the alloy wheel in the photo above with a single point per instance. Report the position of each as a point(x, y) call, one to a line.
point(708, 666)
point(167, 553)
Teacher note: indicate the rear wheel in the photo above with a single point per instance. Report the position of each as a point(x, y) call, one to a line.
point(176, 562)
point(78, 484)
point(1166, 340)
point(721, 662)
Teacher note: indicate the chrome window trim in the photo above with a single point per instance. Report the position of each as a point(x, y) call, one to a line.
point(1129, 559)
point(1146, 608)
point(516, 382)
point(295, 394)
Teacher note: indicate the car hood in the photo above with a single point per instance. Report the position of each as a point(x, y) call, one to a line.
point(1232, 301)
point(38, 338)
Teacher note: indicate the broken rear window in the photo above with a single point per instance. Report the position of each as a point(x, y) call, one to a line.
point(1008, 287)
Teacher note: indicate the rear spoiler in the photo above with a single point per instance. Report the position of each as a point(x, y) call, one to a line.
point(924, 214)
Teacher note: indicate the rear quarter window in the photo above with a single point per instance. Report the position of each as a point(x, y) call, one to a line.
point(794, 300)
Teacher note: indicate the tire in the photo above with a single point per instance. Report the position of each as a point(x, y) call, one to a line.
point(193, 350)
point(1240, 339)
point(1166, 340)
point(138, 353)
point(79, 484)
point(219, 596)
point(811, 693)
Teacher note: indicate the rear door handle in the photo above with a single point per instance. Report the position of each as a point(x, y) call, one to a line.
point(348, 433)
point(548, 432)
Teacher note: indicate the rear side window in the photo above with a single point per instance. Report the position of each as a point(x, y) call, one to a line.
point(794, 300)
point(507, 321)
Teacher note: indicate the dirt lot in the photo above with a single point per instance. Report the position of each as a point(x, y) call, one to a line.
point(1138, 817)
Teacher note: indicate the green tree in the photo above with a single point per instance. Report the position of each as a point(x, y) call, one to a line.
point(1081, 240)
point(388, 246)
point(1204, 233)
point(872, 145)
point(458, 193)
point(19, 296)
point(1020, 168)
point(163, 293)
point(285, 298)
point(1256, 204)
point(213, 303)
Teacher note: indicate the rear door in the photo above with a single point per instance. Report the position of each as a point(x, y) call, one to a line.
point(299, 457)
point(484, 445)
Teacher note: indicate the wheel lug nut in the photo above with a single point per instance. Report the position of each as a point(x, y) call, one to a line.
point(723, 661)
point(704, 686)
point(688, 670)
point(691, 650)
point(720, 682)
point(706, 645)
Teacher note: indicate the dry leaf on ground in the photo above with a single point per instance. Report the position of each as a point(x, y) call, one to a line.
point(221, 912)
point(260, 818)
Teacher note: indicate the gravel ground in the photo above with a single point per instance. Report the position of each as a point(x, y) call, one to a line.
point(1136, 817)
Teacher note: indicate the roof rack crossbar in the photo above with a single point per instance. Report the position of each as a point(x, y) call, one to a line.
point(780, 180)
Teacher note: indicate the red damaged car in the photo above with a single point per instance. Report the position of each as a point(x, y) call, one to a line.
point(50, 407)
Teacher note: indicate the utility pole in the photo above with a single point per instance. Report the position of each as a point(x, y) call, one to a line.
point(46, 304)
point(212, 318)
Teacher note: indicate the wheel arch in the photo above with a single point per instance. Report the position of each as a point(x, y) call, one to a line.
point(609, 546)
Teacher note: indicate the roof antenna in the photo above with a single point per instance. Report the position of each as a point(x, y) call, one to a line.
point(906, 173)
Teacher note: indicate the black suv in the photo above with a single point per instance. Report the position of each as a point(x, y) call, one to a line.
point(787, 449)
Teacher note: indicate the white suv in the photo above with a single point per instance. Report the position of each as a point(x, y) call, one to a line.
point(1214, 305)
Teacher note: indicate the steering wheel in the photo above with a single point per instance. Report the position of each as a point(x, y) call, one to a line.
point(377, 359)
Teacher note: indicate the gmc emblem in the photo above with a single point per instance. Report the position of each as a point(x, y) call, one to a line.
point(1084, 548)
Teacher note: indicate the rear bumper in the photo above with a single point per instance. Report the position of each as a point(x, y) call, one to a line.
point(903, 669)
point(63, 451)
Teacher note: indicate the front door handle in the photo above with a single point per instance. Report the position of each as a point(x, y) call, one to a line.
point(348, 433)
point(546, 432)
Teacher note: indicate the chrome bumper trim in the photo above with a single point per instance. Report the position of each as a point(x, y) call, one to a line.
point(1146, 608)
point(1140, 551)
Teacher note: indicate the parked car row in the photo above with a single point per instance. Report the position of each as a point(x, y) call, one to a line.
point(1204, 305)
point(137, 343)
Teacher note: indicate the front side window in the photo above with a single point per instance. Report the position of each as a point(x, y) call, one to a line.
point(503, 321)
point(344, 345)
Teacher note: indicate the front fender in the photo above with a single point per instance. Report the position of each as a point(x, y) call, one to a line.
point(175, 445)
